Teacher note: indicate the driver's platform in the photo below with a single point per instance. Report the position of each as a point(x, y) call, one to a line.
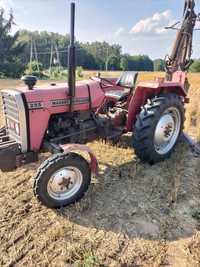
point(128, 81)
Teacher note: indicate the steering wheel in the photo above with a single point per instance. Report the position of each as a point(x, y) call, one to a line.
point(102, 80)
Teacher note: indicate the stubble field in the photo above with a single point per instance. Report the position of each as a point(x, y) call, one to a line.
point(133, 215)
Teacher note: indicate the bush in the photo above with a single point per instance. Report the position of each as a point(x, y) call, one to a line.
point(159, 65)
point(35, 68)
point(2, 75)
point(58, 73)
point(195, 67)
point(12, 69)
point(79, 72)
point(196, 213)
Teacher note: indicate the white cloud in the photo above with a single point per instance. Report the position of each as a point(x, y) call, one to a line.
point(7, 5)
point(154, 25)
point(119, 31)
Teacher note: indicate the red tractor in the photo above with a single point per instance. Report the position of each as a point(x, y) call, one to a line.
point(63, 118)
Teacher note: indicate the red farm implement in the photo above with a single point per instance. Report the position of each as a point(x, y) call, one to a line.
point(63, 118)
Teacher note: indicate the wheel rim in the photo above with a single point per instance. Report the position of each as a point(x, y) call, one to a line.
point(167, 131)
point(65, 183)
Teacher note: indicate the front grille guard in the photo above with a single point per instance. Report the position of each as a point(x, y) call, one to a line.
point(15, 111)
point(11, 156)
point(5, 140)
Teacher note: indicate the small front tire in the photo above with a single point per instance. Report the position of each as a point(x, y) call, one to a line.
point(62, 180)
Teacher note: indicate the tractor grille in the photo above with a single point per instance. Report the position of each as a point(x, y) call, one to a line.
point(11, 116)
point(15, 118)
point(10, 107)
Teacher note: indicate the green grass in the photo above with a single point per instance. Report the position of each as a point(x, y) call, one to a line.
point(87, 259)
point(196, 213)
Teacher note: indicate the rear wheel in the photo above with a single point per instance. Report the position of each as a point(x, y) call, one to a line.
point(62, 180)
point(158, 128)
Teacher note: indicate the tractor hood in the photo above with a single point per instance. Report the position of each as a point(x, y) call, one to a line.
point(54, 95)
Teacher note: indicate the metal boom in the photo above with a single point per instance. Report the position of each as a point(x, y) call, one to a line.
point(182, 50)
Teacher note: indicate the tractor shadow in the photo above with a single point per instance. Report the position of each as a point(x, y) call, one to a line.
point(142, 201)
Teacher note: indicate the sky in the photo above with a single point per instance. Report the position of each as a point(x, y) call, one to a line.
point(137, 25)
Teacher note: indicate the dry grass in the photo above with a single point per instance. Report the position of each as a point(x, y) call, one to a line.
point(193, 109)
point(133, 215)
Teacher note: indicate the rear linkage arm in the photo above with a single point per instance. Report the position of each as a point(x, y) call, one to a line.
point(192, 144)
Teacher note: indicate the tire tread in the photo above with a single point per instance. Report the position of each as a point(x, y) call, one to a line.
point(144, 127)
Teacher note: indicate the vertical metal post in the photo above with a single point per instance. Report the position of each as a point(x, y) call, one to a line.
point(72, 58)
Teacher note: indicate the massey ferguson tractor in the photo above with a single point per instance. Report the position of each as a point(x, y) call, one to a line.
point(62, 118)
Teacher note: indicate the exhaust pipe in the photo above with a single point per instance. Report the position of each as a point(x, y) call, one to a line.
point(72, 58)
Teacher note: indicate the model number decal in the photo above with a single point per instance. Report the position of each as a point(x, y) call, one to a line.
point(35, 105)
point(64, 102)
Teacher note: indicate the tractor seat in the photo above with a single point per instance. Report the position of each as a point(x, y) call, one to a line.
point(118, 95)
point(127, 81)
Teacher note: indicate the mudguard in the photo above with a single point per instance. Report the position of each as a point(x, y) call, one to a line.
point(76, 147)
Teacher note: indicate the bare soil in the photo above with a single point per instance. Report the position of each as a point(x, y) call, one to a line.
point(133, 215)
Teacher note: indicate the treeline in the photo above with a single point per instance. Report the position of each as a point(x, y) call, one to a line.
point(50, 51)
point(91, 56)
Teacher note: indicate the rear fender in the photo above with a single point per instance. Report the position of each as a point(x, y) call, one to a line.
point(143, 93)
point(82, 148)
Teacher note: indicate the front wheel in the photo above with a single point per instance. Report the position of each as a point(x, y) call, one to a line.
point(62, 180)
point(158, 128)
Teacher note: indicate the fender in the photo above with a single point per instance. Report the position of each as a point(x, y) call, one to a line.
point(76, 147)
point(147, 90)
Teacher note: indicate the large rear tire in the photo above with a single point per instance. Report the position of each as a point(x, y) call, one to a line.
point(62, 180)
point(158, 128)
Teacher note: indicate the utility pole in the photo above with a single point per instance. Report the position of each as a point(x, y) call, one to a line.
point(54, 51)
point(107, 59)
point(57, 54)
point(33, 53)
point(31, 50)
point(51, 57)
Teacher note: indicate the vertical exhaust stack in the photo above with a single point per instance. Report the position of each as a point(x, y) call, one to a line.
point(72, 58)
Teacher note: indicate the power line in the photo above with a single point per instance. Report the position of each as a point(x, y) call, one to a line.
point(60, 51)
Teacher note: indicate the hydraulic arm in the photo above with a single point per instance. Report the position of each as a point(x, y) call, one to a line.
point(180, 57)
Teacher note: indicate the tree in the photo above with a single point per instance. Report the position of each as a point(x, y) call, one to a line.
point(124, 63)
point(50, 46)
point(103, 52)
point(159, 65)
point(10, 49)
point(140, 63)
point(44, 42)
point(114, 63)
point(91, 56)
point(195, 67)
point(84, 58)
